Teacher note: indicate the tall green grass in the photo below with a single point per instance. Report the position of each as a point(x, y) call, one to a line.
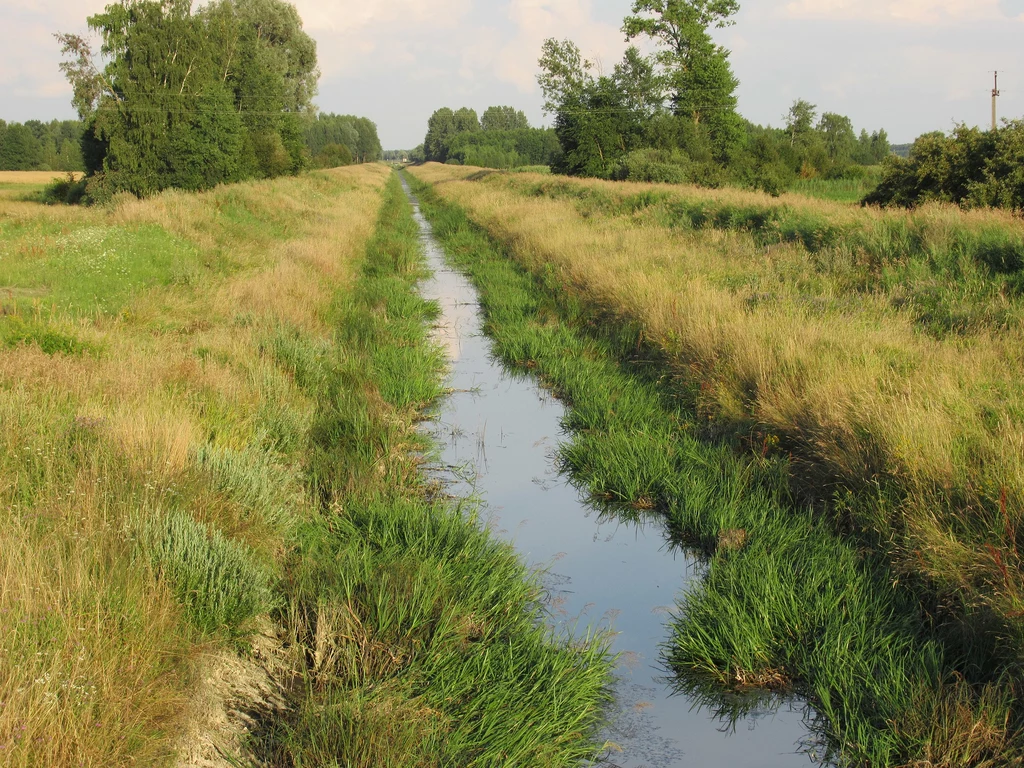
point(424, 639)
point(786, 601)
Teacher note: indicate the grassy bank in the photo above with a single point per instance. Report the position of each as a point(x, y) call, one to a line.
point(425, 643)
point(790, 596)
point(198, 440)
point(152, 462)
point(892, 381)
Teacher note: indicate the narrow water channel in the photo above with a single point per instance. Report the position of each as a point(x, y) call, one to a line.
point(498, 433)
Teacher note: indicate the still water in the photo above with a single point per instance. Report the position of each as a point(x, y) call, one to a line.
point(498, 433)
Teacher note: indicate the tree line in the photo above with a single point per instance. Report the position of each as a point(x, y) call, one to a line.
point(334, 140)
point(672, 116)
point(39, 146)
point(970, 167)
point(190, 98)
point(501, 138)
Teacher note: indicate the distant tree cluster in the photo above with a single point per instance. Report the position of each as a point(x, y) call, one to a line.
point(335, 140)
point(38, 146)
point(191, 99)
point(672, 117)
point(502, 138)
point(969, 167)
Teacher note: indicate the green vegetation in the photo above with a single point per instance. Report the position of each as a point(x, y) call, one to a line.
point(503, 139)
point(211, 479)
point(849, 190)
point(836, 561)
point(334, 140)
point(38, 146)
point(671, 117)
point(190, 99)
point(424, 637)
point(970, 167)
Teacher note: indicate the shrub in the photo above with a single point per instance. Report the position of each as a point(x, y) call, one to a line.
point(65, 191)
point(217, 581)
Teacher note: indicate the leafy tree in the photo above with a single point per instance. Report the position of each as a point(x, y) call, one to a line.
point(367, 148)
point(441, 127)
point(564, 75)
point(191, 98)
point(466, 120)
point(327, 128)
point(503, 119)
point(19, 148)
point(696, 70)
point(840, 140)
point(642, 88)
point(800, 120)
point(586, 110)
point(505, 149)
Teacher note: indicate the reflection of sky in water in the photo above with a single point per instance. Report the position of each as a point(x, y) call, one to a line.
point(498, 433)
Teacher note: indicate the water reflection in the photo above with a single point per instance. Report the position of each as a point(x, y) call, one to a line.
point(498, 434)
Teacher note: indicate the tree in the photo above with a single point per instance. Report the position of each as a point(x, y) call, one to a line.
point(643, 90)
point(695, 69)
point(564, 75)
point(503, 119)
point(800, 120)
point(19, 148)
point(191, 98)
point(441, 127)
point(840, 140)
point(466, 121)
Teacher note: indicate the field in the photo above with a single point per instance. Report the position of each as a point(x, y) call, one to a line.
point(838, 190)
point(216, 543)
point(877, 357)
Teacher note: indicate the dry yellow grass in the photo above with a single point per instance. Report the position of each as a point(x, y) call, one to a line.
point(855, 389)
point(96, 663)
point(33, 178)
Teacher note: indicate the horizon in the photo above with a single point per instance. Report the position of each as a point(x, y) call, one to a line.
point(906, 66)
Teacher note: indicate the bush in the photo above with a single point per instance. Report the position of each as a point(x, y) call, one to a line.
point(217, 581)
point(971, 168)
point(654, 165)
point(334, 156)
point(66, 191)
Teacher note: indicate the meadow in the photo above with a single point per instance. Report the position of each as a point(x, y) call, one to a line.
point(217, 547)
point(875, 358)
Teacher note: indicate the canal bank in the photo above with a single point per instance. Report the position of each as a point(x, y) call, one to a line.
point(499, 434)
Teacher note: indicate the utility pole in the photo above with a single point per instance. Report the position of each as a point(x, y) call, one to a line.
point(995, 96)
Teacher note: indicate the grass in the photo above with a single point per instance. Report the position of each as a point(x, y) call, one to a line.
point(152, 466)
point(838, 190)
point(900, 397)
point(831, 596)
point(208, 405)
point(424, 639)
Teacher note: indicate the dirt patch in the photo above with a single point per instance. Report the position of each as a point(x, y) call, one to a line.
point(236, 694)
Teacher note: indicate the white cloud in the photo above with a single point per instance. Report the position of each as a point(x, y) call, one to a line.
point(910, 11)
point(533, 21)
point(348, 31)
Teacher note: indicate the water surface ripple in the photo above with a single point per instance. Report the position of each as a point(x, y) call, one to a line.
point(497, 435)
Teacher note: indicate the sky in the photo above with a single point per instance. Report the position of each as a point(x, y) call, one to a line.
point(908, 66)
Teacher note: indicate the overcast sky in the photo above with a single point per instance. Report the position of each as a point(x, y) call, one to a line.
point(908, 66)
